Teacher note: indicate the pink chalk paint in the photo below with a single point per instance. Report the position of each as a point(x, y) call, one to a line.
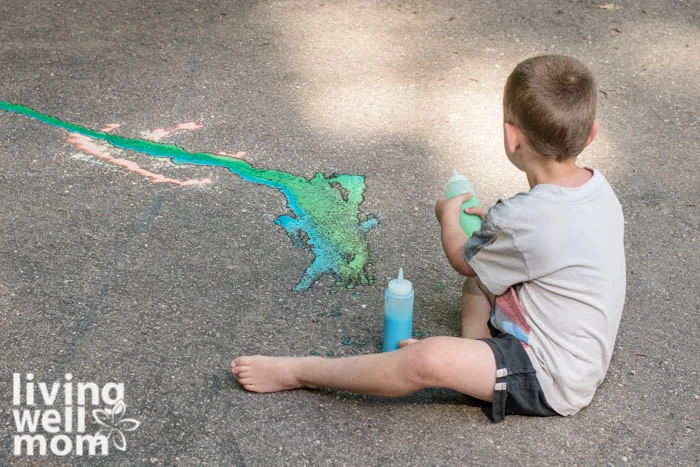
point(187, 126)
point(160, 133)
point(103, 152)
point(110, 126)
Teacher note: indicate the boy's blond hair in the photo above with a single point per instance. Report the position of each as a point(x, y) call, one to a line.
point(552, 99)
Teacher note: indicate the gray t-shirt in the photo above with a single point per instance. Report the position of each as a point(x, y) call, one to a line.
point(562, 249)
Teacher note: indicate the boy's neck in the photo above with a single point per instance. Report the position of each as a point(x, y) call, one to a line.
point(548, 171)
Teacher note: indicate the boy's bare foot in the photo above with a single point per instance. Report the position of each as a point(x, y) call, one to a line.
point(266, 374)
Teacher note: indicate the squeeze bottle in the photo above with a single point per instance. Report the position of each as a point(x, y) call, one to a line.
point(398, 312)
point(457, 185)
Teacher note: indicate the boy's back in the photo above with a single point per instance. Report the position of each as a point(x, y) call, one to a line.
point(572, 281)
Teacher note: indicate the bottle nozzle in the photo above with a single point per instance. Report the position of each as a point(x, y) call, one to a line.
point(400, 286)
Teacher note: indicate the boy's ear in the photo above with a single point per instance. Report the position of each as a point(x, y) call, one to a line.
point(594, 131)
point(512, 137)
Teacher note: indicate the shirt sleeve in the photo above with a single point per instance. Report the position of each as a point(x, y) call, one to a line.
point(493, 253)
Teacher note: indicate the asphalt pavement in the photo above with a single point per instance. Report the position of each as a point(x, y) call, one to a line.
point(130, 275)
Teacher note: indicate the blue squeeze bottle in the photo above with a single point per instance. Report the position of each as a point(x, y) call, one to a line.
point(457, 185)
point(398, 312)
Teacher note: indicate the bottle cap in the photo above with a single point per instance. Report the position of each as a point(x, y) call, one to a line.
point(457, 185)
point(400, 286)
point(456, 176)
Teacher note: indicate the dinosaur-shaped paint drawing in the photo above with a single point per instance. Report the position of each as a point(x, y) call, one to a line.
point(325, 211)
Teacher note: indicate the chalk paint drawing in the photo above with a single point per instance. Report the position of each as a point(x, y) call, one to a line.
point(325, 211)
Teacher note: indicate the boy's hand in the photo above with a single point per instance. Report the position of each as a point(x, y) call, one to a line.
point(478, 210)
point(451, 208)
point(452, 236)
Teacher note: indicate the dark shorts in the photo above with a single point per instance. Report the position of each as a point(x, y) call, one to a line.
point(517, 390)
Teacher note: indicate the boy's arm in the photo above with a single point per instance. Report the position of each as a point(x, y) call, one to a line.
point(452, 236)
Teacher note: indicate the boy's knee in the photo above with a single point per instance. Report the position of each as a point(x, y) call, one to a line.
point(428, 361)
point(474, 286)
point(469, 286)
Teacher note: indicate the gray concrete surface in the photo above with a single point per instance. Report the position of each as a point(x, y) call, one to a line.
point(111, 278)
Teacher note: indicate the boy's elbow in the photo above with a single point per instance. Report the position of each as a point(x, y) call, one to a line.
point(461, 266)
point(468, 271)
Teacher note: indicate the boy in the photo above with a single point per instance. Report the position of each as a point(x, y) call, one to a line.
point(545, 274)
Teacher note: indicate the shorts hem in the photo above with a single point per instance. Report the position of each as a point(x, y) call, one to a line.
point(517, 390)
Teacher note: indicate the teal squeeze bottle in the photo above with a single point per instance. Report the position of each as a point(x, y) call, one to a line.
point(456, 185)
point(398, 312)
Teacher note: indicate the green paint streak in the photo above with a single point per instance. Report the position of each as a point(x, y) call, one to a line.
point(325, 211)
